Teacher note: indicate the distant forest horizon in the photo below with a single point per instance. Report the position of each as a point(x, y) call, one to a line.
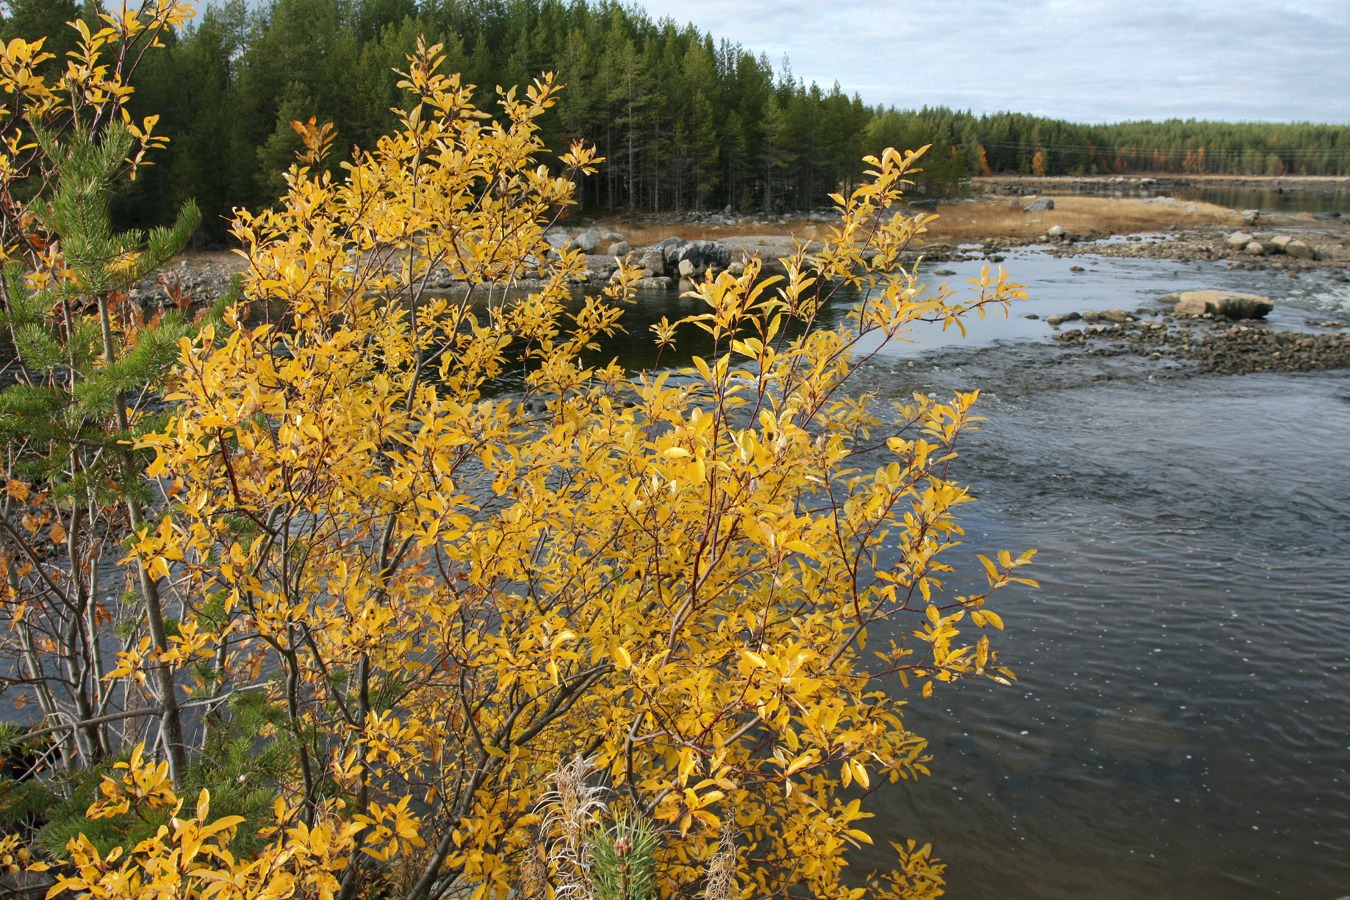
point(685, 121)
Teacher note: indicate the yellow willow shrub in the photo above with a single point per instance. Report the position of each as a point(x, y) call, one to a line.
point(189, 856)
point(447, 591)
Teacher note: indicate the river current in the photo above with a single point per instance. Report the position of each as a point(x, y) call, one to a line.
point(1181, 722)
point(1180, 726)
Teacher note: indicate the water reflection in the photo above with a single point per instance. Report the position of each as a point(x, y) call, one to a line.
point(1271, 199)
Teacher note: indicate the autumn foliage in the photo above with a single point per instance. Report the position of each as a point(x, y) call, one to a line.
point(424, 549)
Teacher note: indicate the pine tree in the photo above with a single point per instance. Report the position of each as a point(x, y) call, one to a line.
point(85, 359)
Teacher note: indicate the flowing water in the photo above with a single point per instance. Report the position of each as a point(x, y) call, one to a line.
point(1181, 722)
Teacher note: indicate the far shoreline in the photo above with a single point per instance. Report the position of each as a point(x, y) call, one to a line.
point(1302, 183)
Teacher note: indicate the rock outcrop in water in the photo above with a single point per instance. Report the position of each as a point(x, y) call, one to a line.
point(1214, 345)
point(1221, 304)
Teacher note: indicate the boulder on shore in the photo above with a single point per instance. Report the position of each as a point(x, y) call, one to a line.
point(1300, 250)
point(1225, 304)
point(586, 242)
point(1045, 204)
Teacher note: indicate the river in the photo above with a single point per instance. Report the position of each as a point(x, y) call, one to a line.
point(1181, 722)
point(1179, 727)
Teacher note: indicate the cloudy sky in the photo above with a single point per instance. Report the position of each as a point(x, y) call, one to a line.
point(1081, 60)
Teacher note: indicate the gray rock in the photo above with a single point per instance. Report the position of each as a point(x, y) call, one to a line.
point(1250, 216)
point(557, 238)
point(657, 283)
point(719, 255)
point(1255, 248)
point(687, 268)
point(586, 241)
point(705, 254)
point(1224, 304)
point(1238, 239)
point(600, 268)
point(1044, 204)
point(651, 259)
point(943, 273)
point(1300, 250)
point(1057, 233)
point(1119, 316)
point(1280, 243)
point(671, 248)
point(619, 248)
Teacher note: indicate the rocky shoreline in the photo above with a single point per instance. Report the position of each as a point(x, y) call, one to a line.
point(1293, 244)
point(1213, 345)
point(1264, 245)
point(1154, 186)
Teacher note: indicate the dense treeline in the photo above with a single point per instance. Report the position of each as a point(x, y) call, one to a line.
point(685, 121)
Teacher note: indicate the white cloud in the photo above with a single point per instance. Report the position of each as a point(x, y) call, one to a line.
point(1083, 60)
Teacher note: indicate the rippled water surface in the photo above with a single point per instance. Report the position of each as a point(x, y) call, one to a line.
point(1181, 722)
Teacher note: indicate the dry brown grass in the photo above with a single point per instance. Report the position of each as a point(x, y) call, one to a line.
point(979, 220)
point(1002, 218)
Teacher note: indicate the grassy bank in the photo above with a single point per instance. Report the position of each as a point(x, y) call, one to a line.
point(1003, 218)
point(974, 220)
